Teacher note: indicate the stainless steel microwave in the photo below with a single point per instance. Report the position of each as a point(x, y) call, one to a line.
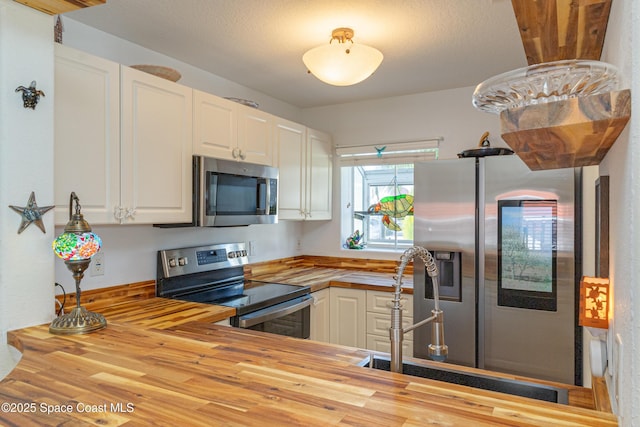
point(228, 193)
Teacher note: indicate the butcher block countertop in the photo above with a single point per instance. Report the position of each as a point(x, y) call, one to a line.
point(162, 362)
point(323, 272)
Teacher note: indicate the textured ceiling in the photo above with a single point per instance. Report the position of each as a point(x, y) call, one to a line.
point(428, 45)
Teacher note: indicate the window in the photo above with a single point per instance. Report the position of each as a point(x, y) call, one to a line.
point(377, 193)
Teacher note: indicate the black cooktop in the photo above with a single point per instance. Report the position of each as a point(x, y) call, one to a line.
point(257, 295)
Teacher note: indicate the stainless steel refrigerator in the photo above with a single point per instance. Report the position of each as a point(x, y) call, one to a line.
point(504, 238)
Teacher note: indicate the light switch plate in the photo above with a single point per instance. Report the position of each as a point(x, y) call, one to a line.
point(619, 372)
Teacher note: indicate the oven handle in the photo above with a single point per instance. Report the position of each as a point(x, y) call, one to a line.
point(268, 314)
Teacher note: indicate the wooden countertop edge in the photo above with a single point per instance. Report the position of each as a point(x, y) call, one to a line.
point(601, 398)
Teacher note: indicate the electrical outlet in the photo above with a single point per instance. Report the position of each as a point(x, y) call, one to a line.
point(97, 264)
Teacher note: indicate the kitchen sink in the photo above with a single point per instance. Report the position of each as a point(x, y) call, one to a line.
point(485, 382)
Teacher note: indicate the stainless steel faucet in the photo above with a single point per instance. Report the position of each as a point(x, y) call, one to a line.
point(437, 349)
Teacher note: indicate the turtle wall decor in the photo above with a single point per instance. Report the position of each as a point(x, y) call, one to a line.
point(30, 95)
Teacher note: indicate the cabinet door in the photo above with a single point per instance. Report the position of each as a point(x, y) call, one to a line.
point(379, 324)
point(320, 175)
point(379, 302)
point(379, 343)
point(215, 126)
point(320, 316)
point(290, 143)
point(156, 146)
point(255, 136)
point(87, 135)
point(348, 317)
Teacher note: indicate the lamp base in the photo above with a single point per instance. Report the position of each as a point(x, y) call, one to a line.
point(78, 321)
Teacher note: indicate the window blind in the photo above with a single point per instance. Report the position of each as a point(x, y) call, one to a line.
point(390, 153)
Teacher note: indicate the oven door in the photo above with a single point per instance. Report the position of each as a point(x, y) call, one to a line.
point(290, 318)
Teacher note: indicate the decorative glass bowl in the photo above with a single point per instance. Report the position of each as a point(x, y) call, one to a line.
point(542, 83)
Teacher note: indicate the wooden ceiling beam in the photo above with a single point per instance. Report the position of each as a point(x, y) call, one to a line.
point(552, 30)
point(56, 7)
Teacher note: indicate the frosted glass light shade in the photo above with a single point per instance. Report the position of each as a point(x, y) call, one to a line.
point(342, 64)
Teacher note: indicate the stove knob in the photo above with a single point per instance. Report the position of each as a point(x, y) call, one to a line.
point(232, 254)
point(182, 261)
point(244, 252)
point(172, 262)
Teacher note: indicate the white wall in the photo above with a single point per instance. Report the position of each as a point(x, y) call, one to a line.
point(26, 152)
point(622, 48)
point(448, 114)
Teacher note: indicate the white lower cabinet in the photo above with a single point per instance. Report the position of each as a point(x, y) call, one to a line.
point(358, 318)
point(379, 321)
point(320, 316)
point(348, 317)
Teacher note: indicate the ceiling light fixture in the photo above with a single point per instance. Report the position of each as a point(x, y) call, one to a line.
point(342, 63)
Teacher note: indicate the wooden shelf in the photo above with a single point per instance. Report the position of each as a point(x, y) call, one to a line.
point(571, 133)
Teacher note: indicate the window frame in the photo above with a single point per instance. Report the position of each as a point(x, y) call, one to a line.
point(354, 157)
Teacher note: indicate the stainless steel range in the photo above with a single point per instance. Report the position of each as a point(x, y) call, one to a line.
point(213, 274)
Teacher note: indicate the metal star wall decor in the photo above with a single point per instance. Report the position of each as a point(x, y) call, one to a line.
point(31, 213)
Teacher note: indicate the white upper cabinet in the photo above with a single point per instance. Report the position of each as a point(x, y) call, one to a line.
point(319, 174)
point(255, 136)
point(123, 142)
point(156, 141)
point(224, 129)
point(215, 126)
point(290, 140)
point(87, 135)
point(305, 162)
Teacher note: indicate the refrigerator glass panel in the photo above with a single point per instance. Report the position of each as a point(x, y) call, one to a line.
point(527, 244)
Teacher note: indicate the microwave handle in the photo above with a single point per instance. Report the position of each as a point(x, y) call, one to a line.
point(265, 186)
point(267, 314)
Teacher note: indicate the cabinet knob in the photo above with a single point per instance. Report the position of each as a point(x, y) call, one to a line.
point(118, 213)
point(242, 155)
point(235, 152)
